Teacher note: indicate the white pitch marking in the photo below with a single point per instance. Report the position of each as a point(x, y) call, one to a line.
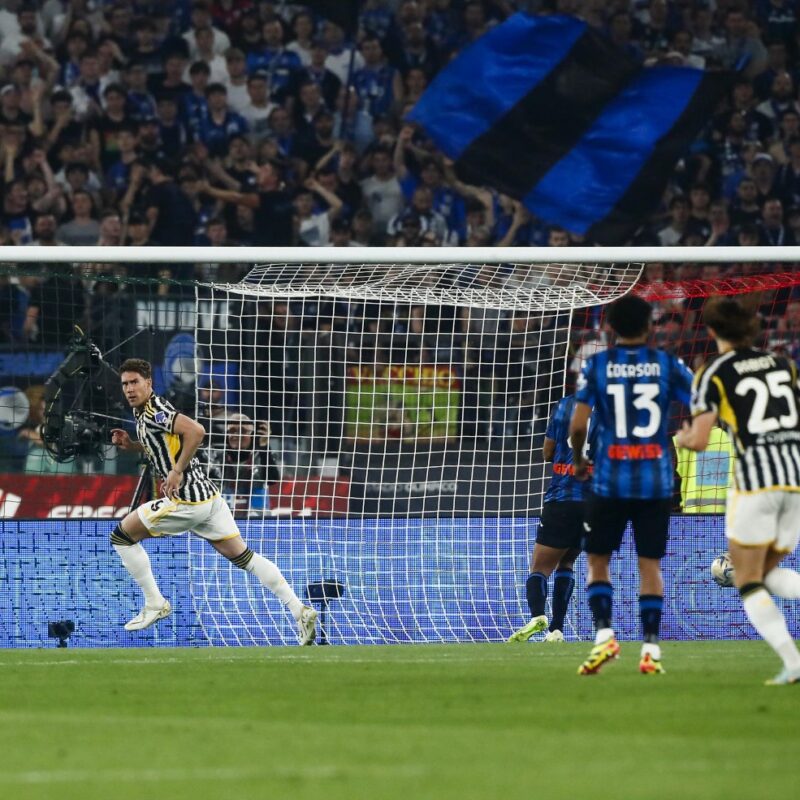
point(149, 775)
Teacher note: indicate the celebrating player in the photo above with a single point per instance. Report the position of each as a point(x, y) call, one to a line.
point(627, 389)
point(191, 502)
point(755, 396)
point(558, 540)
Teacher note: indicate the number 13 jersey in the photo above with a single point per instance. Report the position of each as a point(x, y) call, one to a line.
point(630, 389)
point(756, 397)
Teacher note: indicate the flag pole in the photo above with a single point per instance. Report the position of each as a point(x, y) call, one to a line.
point(348, 86)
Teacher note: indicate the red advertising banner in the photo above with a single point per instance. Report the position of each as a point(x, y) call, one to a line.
point(65, 496)
point(317, 497)
point(108, 496)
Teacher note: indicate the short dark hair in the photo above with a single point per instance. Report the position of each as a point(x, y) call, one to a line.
point(199, 67)
point(138, 365)
point(216, 88)
point(732, 320)
point(629, 316)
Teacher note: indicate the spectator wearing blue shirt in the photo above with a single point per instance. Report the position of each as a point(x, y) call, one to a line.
point(221, 123)
point(376, 17)
point(446, 201)
point(280, 125)
point(194, 104)
point(140, 102)
point(273, 58)
point(379, 85)
point(118, 174)
point(69, 71)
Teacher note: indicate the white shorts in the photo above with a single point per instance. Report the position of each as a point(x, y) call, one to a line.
point(211, 519)
point(764, 518)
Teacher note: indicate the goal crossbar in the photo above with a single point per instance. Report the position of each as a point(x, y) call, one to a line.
point(394, 255)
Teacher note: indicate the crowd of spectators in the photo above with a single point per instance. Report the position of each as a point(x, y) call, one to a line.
point(253, 122)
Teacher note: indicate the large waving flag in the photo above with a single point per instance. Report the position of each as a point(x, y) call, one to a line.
point(549, 112)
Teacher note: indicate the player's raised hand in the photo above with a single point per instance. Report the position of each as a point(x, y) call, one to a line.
point(263, 434)
point(121, 439)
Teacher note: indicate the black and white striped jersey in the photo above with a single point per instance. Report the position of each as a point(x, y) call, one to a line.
point(155, 421)
point(756, 396)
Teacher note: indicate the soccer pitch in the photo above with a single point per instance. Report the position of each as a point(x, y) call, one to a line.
point(410, 722)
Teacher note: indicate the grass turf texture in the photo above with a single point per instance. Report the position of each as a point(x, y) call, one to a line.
point(410, 722)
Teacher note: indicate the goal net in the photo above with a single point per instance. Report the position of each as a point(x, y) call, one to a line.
point(409, 403)
point(375, 420)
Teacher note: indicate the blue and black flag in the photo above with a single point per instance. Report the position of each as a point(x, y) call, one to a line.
point(551, 113)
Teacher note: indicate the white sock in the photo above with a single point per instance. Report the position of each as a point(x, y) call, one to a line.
point(137, 562)
point(603, 635)
point(783, 582)
point(770, 623)
point(270, 576)
point(652, 649)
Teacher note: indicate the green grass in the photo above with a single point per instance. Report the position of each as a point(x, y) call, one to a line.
point(406, 722)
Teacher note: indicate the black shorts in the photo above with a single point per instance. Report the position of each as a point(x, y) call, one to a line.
point(607, 518)
point(561, 525)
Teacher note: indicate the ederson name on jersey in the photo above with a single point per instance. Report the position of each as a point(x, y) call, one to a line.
point(630, 389)
point(564, 487)
point(154, 424)
point(757, 399)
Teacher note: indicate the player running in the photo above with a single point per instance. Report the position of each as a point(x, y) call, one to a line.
point(628, 390)
point(558, 540)
point(755, 396)
point(191, 502)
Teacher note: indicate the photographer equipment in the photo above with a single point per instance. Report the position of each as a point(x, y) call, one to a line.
point(61, 630)
point(322, 593)
point(81, 397)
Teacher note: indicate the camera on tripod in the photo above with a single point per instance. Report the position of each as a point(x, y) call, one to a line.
point(79, 398)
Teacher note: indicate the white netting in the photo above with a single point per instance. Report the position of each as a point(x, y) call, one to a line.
point(381, 429)
point(517, 286)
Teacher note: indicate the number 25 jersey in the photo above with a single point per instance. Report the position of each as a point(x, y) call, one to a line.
point(756, 397)
point(630, 389)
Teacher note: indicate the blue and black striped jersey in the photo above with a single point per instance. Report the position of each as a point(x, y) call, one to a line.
point(563, 485)
point(630, 390)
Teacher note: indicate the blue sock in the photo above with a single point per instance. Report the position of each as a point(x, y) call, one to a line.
point(563, 584)
point(650, 607)
point(601, 598)
point(536, 589)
